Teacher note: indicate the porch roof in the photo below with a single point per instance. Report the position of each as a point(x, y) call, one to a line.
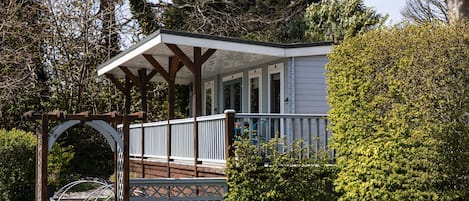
point(231, 54)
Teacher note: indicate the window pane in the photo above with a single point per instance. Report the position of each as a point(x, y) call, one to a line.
point(227, 95)
point(275, 93)
point(208, 101)
point(237, 95)
point(254, 95)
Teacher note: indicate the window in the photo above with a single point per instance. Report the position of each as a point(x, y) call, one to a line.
point(232, 92)
point(209, 98)
point(275, 87)
point(276, 97)
point(255, 90)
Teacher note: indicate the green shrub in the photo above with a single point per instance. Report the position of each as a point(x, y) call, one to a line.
point(17, 165)
point(399, 112)
point(280, 176)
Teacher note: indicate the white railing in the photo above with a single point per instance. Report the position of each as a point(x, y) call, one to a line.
point(212, 137)
point(143, 189)
point(155, 139)
point(135, 140)
point(312, 128)
point(211, 130)
point(182, 139)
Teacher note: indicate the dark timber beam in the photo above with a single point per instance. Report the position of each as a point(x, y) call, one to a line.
point(150, 75)
point(182, 56)
point(115, 82)
point(157, 66)
point(207, 55)
point(125, 136)
point(195, 67)
point(131, 76)
point(173, 68)
point(142, 74)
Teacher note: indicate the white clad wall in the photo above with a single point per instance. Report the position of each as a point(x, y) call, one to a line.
point(310, 85)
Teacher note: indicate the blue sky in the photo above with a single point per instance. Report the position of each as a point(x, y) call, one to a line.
point(393, 8)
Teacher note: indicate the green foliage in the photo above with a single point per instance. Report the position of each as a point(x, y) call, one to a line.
point(17, 156)
point(334, 20)
point(59, 164)
point(281, 175)
point(17, 167)
point(274, 21)
point(399, 112)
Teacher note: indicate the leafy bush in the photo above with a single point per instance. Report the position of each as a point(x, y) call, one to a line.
point(59, 165)
point(18, 162)
point(399, 112)
point(281, 175)
point(17, 165)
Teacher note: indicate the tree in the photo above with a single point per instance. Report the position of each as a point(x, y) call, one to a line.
point(260, 20)
point(422, 11)
point(335, 20)
point(17, 153)
point(23, 77)
point(399, 102)
point(457, 9)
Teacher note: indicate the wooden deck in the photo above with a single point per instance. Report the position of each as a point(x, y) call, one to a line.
point(170, 149)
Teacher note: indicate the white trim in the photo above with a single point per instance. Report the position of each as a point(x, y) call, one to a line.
point(211, 117)
point(240, 47)
point(308, 51)
point(233, 77)
point(130, 55)
point(273, 69)
point(223, 45)
point(209, 85)
point(255, 73)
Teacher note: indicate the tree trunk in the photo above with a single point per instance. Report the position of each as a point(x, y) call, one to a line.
point(457, 10)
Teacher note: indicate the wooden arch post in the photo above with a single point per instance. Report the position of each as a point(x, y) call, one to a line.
point(42, 149)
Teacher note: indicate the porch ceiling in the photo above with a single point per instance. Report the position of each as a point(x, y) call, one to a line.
point(231, 54)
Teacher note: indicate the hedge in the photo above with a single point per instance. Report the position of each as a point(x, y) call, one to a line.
point(279, 175)
point(399, 111)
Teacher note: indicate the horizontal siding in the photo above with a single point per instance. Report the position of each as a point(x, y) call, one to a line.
point(310, 85)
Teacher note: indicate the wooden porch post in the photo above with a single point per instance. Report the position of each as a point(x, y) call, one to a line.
point(196, 67)
point(229, 133)
point(142, 73)
point(197, 110)
point(125, 137)
point(174, 66)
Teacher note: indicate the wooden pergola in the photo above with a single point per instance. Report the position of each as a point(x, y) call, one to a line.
point(104, 123)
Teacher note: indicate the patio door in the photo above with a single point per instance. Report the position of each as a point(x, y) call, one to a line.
point(232, 92)
point(276, 98)
point(275, 88)
point(255, 90)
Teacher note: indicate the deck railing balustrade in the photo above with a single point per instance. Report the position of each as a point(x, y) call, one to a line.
point(211, 143)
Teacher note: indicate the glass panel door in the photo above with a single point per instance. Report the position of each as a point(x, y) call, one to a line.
point(275, 93)
point(275, 88)
point(254, 95)
point(232, 92)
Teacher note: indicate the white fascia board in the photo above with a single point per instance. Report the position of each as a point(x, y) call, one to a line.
point(308, 51)
point(223, 45)
point(130, 55)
